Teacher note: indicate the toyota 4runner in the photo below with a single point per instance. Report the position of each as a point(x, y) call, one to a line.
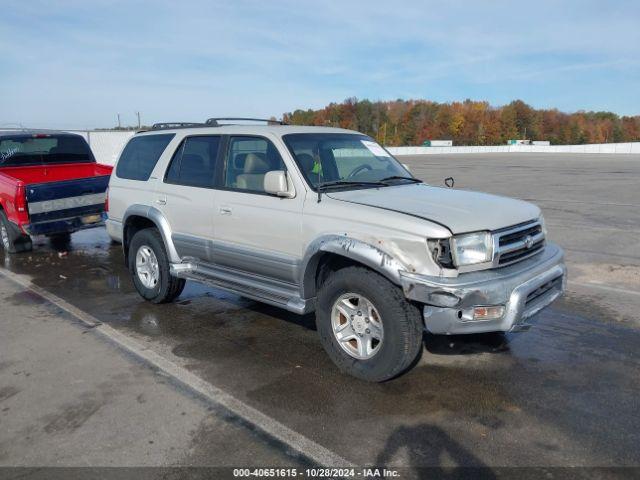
point(326, 220)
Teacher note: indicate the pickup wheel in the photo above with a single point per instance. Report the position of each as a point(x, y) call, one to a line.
point(11, 238)
point(366, 325)
point(149, 267)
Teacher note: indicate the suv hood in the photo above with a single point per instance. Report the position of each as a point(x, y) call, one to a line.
point(459, 210)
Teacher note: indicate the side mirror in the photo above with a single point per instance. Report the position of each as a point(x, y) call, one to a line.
point(275, 183)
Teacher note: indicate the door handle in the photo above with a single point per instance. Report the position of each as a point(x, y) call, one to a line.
point(224, 210)
point(161, 201)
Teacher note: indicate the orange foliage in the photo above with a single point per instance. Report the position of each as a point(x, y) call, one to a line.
point(411, 122)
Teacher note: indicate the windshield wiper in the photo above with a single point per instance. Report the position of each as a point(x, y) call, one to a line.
point(400, 177)
point(338, 183)
point(341, 183)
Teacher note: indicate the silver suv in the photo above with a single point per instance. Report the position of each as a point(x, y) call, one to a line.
point(326, 220)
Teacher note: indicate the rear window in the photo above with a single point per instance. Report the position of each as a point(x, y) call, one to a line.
point(44, 149)
point(140, 156)
point(194, 163)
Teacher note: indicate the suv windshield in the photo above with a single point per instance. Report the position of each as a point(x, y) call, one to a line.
point(43, 149)
point(343, 160)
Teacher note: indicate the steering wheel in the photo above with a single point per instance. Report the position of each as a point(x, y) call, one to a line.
point(358, 169)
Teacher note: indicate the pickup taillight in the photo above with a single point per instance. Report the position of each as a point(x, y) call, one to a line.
point(21, 200)
point(20, 206)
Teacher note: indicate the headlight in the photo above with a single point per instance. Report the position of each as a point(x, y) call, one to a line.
point(472, 248)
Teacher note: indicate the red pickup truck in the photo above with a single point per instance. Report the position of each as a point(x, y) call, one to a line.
point(50, 184)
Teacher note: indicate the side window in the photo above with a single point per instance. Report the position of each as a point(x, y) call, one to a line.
point(140, 156)
point(248, 160)
point(194, 162)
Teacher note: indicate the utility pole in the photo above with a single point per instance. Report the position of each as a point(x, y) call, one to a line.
point(119, 126)
point(138, 115)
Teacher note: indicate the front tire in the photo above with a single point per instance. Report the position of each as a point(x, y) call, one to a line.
point(366, 325)
point(150, 270)
point(11, 239)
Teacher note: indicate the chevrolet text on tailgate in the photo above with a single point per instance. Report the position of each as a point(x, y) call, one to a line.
point(326, 220)
point(50, 184)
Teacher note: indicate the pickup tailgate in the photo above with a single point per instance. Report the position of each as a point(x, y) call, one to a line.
point(66, 206)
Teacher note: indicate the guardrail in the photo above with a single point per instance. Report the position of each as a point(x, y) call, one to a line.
point(633, 147)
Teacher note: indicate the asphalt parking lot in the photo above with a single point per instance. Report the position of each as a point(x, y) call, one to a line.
point(563, 394)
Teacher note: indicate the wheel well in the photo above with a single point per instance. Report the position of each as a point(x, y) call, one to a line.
point(132, 226)
point(329, 263)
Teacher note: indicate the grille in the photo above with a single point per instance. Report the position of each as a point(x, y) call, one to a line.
point(519, 235)
point(542, 290)
point(518, 243)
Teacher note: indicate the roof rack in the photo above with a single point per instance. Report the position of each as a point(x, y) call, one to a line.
point(213, 122)
point(172, 125)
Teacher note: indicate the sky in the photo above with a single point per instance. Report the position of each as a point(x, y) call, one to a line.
point(77, 64)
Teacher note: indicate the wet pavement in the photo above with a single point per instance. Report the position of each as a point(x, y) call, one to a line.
point(68, 397)
point(563, 394)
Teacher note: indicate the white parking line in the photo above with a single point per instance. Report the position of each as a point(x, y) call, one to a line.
point(296, 441)
point(606, 288)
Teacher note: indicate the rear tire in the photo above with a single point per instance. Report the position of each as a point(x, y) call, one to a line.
point(11, 238)
point(150, 270)
point(382, 302)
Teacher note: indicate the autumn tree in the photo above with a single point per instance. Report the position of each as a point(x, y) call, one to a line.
point(411, 122)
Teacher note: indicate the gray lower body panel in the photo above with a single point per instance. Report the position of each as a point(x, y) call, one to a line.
point(238, 257)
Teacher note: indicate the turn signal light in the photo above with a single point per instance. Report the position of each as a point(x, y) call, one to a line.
point(488, 313)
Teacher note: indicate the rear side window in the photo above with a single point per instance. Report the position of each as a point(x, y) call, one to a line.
point(194, 163)
point(140, 156)
point(44, 149)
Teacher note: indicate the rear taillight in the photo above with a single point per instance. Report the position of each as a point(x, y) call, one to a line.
point(21, 199)
point(106, 201)
point(20, 206)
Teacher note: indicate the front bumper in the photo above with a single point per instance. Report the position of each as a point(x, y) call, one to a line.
point(524, 289)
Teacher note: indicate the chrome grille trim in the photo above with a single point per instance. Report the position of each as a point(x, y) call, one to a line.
point(517, 243)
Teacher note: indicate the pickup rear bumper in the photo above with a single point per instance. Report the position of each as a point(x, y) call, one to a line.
point(67, 225)
point(523, 289)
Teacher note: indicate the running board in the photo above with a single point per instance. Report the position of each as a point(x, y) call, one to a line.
point(261, 289)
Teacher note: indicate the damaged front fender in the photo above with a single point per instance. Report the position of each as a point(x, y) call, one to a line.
point(357, 250)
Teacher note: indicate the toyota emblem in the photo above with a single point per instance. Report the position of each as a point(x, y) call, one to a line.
point(528, 242)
